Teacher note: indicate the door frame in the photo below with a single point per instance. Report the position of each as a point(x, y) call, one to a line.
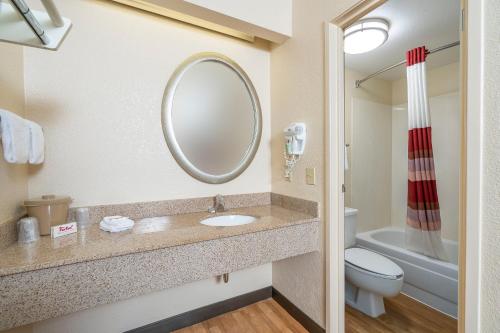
point(470, 175)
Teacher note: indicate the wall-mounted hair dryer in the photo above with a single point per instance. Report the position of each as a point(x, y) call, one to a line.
point(295, 142)
point(295, 138)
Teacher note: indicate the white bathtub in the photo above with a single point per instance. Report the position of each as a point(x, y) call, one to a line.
point(431, 281)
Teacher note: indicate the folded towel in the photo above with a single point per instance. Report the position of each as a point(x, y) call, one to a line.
point(15, 134)
point(37, 143)
point(116, 223)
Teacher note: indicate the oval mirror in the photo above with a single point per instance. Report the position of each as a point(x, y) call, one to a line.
point(211, 118)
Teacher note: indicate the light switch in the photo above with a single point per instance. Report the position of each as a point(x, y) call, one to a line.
point(311, 176)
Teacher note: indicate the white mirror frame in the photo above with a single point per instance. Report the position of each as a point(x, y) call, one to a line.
point(168, 129)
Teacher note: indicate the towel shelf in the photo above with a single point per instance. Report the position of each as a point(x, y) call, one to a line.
point(14, 29)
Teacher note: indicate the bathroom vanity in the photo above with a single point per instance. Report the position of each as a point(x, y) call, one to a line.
point(212, 124)
point(54, 277)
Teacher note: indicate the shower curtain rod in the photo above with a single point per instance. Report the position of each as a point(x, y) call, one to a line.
point(437, 49)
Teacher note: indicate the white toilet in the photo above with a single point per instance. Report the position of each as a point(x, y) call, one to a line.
point(369, 276)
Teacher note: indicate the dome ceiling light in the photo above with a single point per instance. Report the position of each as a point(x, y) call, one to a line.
point(365, 35)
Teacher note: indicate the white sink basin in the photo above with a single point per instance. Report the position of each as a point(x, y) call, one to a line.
point(228, 220)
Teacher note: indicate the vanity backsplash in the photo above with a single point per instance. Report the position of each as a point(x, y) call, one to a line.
point(140, 210)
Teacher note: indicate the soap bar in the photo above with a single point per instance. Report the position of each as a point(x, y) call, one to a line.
point(63, 230)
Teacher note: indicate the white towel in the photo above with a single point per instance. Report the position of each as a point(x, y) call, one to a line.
point(15, 134)
point(116, 223)
point(37, 143)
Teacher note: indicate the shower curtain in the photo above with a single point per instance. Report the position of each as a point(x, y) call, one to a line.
point(423, 220)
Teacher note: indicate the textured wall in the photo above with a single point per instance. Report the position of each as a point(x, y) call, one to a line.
point(13, 177)
point(99, 98)
point(297, 89)
point(490, 210)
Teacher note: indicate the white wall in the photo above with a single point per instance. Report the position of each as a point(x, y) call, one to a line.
point(13, 177)
point(99, 99)
point(490, 183)
point(445, 117)
point(371, 163)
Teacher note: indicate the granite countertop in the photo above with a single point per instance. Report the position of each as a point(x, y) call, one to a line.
point(176, 230)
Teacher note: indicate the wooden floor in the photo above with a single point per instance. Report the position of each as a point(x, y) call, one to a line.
point(263, 317)
point(403, 314)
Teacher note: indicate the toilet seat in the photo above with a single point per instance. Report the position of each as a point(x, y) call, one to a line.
point(372, 263)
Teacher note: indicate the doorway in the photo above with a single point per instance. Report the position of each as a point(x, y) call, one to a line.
point(338, 184)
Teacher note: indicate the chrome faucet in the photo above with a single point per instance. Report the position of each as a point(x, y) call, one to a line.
point(218, 205)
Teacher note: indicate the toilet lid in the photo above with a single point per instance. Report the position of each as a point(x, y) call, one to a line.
point(372, 262)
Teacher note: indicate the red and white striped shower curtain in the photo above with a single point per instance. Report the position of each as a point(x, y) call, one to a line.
point(423, 220)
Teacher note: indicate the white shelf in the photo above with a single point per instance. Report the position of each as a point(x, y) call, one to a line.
point(13, 28)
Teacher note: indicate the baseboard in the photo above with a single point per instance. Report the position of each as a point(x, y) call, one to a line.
point(201, 314)
point(296, 313)
point(213, 310)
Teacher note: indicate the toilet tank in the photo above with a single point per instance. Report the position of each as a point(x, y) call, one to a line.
point(350, 218)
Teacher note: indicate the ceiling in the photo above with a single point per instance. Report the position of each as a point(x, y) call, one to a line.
point(413, 23)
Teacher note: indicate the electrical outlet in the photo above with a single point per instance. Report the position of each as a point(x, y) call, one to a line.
point(311, 176)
